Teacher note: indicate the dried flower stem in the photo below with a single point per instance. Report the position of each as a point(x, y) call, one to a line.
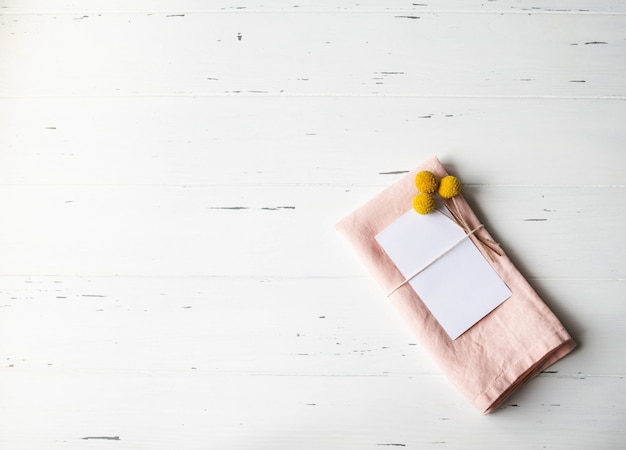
point(486, 243)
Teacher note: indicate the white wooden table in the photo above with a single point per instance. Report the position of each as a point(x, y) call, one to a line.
point(170, 173)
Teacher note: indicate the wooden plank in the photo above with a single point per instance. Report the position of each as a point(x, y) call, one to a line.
point(67, 410)
point(311, 54)
point(252, 325)
point(309, 141)
point(145, 411)
point(288, 231)
point(187, 6)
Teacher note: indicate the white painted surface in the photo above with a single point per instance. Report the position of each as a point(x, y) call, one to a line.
point(170, 175)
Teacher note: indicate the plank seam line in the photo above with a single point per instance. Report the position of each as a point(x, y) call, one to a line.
point(291, 185)
point(269, 277)
point(315, 95)
point(316, 11)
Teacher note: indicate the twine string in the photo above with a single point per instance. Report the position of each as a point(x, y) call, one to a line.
point(436, 258)
point(487, 244)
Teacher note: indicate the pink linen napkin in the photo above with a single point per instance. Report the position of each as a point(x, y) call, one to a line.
point(500, 353)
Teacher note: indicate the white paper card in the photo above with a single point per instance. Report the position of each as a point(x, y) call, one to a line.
point(461, 287)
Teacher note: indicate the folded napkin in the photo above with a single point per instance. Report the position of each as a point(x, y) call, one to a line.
point(501, 352)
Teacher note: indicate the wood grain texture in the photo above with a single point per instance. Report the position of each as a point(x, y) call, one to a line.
point(309, 141)
point(470, 6)
point(170, 175)
point(284, 231)
point(283, 53)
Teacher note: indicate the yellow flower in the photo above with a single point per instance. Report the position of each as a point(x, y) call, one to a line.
point(449, 187)
point(423, 203)
point(426, 181)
